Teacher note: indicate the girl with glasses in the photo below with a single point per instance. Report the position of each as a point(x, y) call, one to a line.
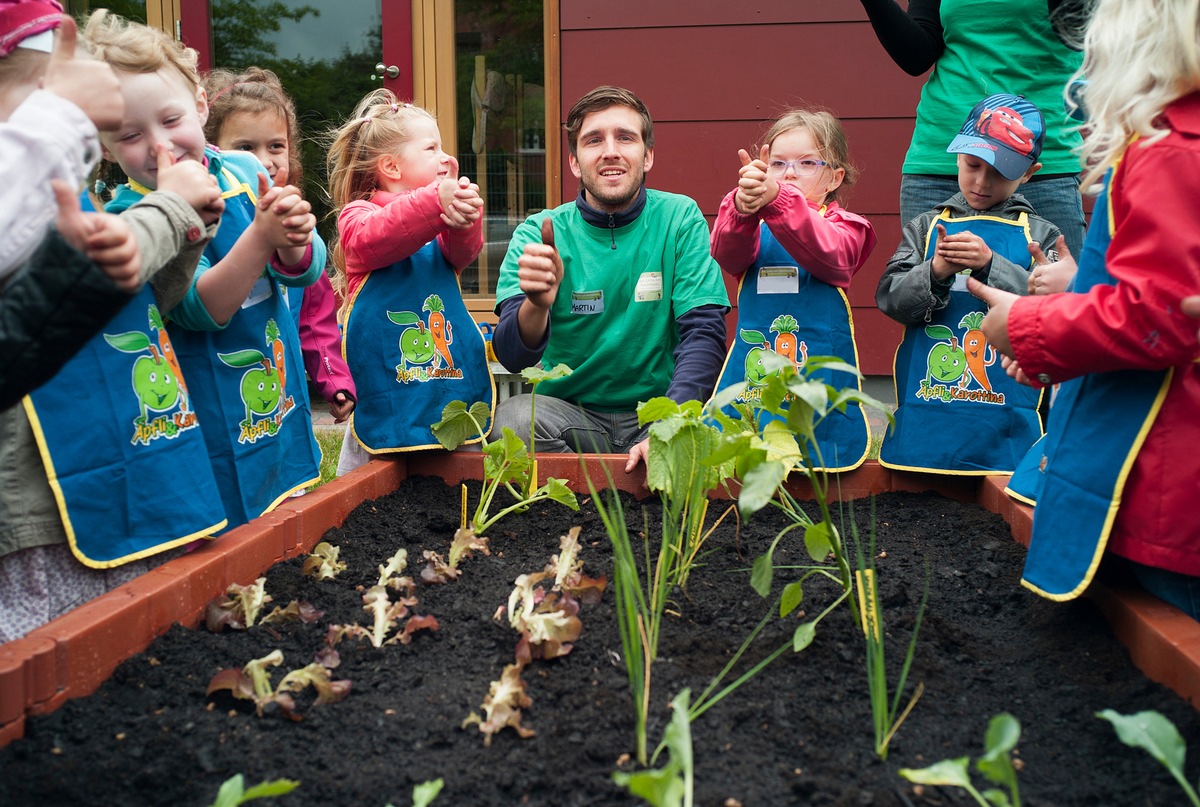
point(782, 232)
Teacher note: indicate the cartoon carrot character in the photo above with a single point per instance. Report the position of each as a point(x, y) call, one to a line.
point(168, 352)
point(977, 348)
point(784, 327)
point(276, 346)
point(439, 329)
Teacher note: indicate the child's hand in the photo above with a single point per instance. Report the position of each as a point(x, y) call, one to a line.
point(105, 239)
point(192, 181)
point(941, 267)
point(465, 206)
point(283, 218)
point(341, 406)
point(995, 324)
point(92, 86)
point(965, 249)
point(756, 188)
point(1051, 275)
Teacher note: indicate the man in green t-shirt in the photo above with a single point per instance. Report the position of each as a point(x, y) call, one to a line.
point(618, 285)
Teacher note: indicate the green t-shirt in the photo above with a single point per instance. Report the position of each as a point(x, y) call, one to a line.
point(987, 53)
point(613, 320)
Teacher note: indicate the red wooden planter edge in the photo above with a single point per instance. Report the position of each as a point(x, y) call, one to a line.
point(71, 656)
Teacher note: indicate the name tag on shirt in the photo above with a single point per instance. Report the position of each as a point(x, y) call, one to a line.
point(649, 288)
point(960, 280)
point(260, 292)
point(778, 280)
point(587, 302)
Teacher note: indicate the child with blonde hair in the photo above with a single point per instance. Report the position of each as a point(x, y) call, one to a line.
point(407, 225)
point(250, 111)
point(1118, 473)
point(794, 249)
point(235, 340)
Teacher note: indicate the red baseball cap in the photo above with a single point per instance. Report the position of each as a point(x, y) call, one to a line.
point(22, 19)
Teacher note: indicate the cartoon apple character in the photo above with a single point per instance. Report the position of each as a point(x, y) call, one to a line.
point(261, 389)
point(416, 344)
point(155, 383)
point(756, 372)
point(947, 361)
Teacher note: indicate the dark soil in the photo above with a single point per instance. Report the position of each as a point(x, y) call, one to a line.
point(798, 733)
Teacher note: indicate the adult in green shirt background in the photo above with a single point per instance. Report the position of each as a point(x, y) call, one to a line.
point(618, 285)
point(976, 48)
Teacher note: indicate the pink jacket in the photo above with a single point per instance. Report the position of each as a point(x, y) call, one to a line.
point(389, 227)
point(321, 341)
point(1136, 324)
point(831, 247)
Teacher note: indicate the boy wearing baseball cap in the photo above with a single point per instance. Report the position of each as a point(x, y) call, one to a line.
point(943, 369)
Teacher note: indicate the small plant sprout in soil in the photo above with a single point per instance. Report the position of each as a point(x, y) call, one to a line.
point(234, 791)
point(253, 682)
point(672, 785)
point(996, 765)
point(323, 563)
point(239, 608)
point(386, 614)
point(424, 793)
point(464, 544)
point(503, 704)
point(1157, 736)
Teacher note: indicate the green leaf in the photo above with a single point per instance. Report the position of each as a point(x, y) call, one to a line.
point(557, 490)
point(762, 572)
point(129, 342)
point(781, 444)
point(1151, 732)
point(1003, 732)
point(753, 337)
point(456, 425)
point(536, 375)
point(939, 332)
point(230, 794)
point(241, 358)
point(793, 595)
point(996, 798)
point(830, 364)
point(818, 541)
point(813, 393)
point(759, 486)
point(727, 396)
point(403, 317)
point(952, 772)
point(275, 787)
point(660, 787)
point(804, 635)
point(506, 459)
point(656, 409)
point(426, 792)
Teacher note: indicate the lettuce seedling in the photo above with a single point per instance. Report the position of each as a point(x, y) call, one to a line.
point(238, 607)
point(294, 611)
point(548, 623)
point(1003, 732)
point(567, 570)
point(424, 793)
point(1157, 736)
point(253, 682)
point(234, 792)
point(503, 704)
point(437, 570)
point(385, 615)
point(389, 573)
point(464, 544)
point(323, 563)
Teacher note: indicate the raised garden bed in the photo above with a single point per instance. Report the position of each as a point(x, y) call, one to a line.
point(581, 702)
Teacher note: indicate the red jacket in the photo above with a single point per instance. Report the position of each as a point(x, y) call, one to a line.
point(831, 248)
point(1136, 324)
point(321, 341)
point(390, 227)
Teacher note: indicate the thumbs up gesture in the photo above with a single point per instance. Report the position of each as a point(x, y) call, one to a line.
point(755, 188)
point(540, 269)
point(92, 86)
point(106, 239)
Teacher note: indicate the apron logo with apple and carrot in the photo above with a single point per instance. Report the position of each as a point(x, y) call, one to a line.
point(958, 371)
point(785, 344)
point(158, 385)
point(425, 344)
point(263, 387)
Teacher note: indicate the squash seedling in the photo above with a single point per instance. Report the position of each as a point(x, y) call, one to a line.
point(253, 682)
point(507, 463)
point(996, 765)
point(1157, 736)
point(234, 791)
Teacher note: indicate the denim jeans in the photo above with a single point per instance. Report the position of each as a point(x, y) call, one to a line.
point(1056, 200)
point(564, 427)
point(1180, 590)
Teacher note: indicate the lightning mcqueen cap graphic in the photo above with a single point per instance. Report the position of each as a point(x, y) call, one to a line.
point(1006, 131)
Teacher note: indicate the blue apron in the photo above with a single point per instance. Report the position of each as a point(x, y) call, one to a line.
point(247, 383)
point(1096, 428)
point(122, 448)
point(1025, 484)
point(778, 296)
point(955, 414)
point(407, 364)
